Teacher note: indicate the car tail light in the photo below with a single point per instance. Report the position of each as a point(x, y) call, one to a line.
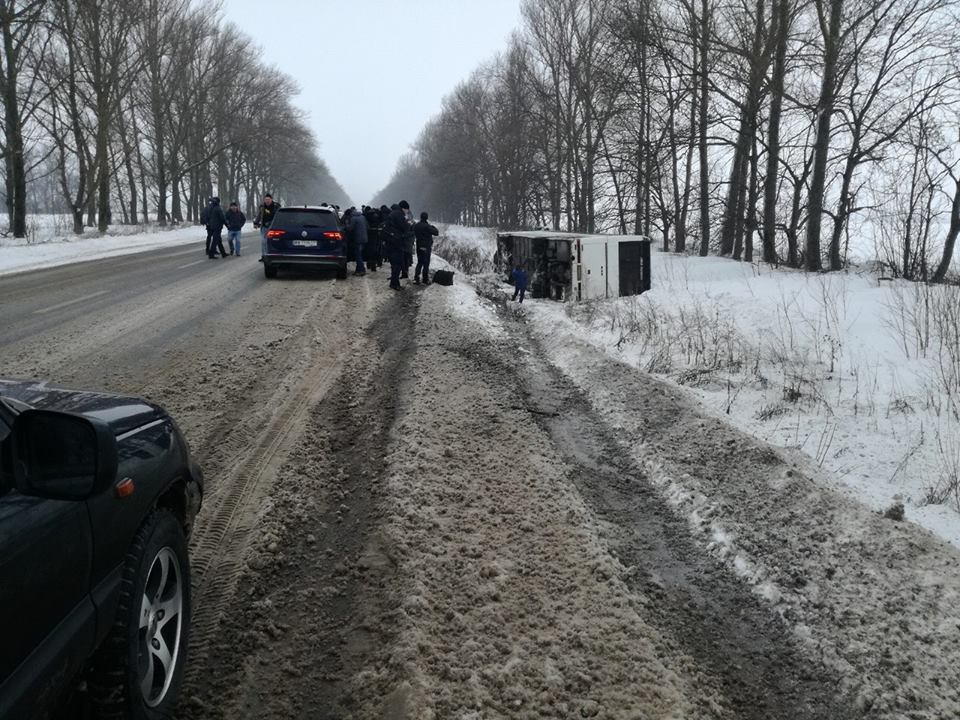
point(276, 233)
point(333, 235)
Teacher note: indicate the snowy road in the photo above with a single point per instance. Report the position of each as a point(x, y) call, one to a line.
point(419, 508)
point(34, 302)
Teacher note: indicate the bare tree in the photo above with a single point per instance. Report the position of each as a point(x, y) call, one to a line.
point(18, 28)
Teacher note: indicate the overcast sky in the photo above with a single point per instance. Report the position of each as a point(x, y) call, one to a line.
point(372, 72)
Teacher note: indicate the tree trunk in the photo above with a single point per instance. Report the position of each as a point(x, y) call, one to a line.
point(752, 201)
point(940, 274)
point(103, 178)
point(732, 234)
point(728, 234)
point(16, 166)
point(821, 147)
point(703, 129)
point(843, 210)
point(782, 29)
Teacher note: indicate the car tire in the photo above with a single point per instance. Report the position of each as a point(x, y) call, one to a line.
point(269, 271)
point(138, 671)
point(342, 272)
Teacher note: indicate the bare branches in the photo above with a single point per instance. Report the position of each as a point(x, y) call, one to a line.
point(810, 108)
point(163, 92)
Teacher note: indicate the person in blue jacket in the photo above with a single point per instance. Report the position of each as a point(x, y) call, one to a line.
point(519, 282)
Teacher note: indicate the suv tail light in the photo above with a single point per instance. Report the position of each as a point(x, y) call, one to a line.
point(333, 235)
point(276, 233)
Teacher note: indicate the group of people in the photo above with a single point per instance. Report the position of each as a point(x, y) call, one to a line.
point(214, 218)
point(372, 235)
point(375, 233)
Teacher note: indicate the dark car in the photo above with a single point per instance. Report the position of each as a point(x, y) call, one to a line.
point(98, 494)
point(306, 237)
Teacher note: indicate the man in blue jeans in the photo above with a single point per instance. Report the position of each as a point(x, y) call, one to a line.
point(235, 222)
point(519, 283)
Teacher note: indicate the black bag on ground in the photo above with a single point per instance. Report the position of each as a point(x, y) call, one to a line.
point(443, 277)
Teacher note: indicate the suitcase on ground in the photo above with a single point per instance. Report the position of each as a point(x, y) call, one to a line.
point(443, 277)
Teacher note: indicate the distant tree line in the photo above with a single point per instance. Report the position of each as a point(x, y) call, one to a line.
point(139, 110)
point(754, 129)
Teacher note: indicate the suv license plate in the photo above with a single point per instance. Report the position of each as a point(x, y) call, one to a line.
point(305, 243)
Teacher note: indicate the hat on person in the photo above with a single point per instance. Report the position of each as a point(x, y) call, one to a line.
point(423, 216)
point(404, 205)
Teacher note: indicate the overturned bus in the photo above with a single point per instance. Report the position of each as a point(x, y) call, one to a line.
point(576, 266)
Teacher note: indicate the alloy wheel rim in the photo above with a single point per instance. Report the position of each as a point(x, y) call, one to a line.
point(161, 627)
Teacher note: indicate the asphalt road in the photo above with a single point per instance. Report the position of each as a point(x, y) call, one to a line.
point(37, 301)
point(238, 360)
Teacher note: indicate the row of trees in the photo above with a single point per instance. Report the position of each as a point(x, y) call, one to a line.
point(788, 129)
point(136, 110)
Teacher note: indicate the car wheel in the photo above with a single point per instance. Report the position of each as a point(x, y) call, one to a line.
point(342, 272)
point(138, 670)
point(269, 270)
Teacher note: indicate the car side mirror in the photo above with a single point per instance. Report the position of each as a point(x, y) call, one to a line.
point(62, 456)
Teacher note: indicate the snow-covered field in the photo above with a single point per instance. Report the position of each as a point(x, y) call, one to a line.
point(860, 374)
point(50, 242)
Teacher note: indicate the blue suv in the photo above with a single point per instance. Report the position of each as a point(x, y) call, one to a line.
point(307, 236)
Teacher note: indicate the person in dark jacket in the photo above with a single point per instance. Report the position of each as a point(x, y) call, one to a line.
point(409, 240)
point(235, 221)
point(215, 222)
point(396, 230)
point(265, 215)
point(347, 231)
point(384, 218)
point(358, 228)
point(519, 283)
point(372, 259)
point(204, 216)
point(424, 233)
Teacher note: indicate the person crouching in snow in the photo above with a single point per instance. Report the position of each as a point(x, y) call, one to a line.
point(519, 283)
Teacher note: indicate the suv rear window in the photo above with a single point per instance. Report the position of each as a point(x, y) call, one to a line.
point(289, 218)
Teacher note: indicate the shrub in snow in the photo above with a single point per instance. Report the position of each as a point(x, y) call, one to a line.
point(895, 512)
point(470, 250)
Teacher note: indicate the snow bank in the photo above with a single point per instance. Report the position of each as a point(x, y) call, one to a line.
point(50, 243)
point(827, 365)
